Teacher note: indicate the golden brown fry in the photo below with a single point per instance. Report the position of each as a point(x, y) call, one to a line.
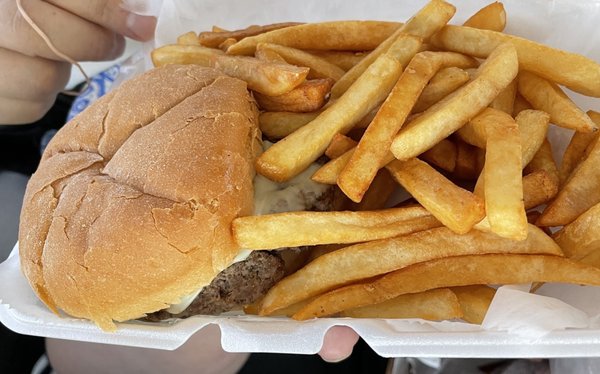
point(548, 97)
point(503, 185)
point(451, 272)
point(441, 85)
point(295, 229)
point(490, 17)
point(216, 28)
point(439, 121)
point(319, 67)
point(335, 35)
point(456, 208)
point(544, 160)
point(277, 125)
point(539, 187)
point(372, 150)
point(577, 72)
point(298, 150)
point(474, 301)
point(354, 263)
point(506, 98)
point(581, 237)
point(426, 22)
point(310, 96)
point(264, 77)
point(339, 145)
point(592, 259)
point(434, 305)
point(189, 38)
point(226, 44)
point(580, 192)
point(328, 173)
point(344, 59)
point(269, 55)
point(576, 149)
point(218, 35)
point(443, 155)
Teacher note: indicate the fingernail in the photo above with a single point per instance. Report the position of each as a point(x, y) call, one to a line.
point(140, 27)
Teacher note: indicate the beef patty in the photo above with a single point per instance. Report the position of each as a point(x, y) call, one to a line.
point(240, 284)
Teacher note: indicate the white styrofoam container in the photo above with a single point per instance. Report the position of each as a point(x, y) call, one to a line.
point(565, 24)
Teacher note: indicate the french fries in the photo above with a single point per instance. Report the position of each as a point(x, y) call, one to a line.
point(426, 22)
point(319, 68)
point(361, 261)
point(451, 272)
point(457, 208)
point(267, 78)
point(577, 72)
point(438, 122)
point(474, 301)
point(336, 35)
point(503, 187)
point(217, 36)
point(548, 97)
point(309, 96)
point(297, 151)
point(294, 229)
point(406, 112)
point(433, 305)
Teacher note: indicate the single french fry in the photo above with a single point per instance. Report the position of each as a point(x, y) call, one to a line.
point(297, 151)
point(443, 155)
point(438, 122)
point(278, 125)
point(580, 237)
point(548, 97)
point(216, 28)
point(456, 208)
point(426, 22)
point(344, 59)
point(503, 185)
point(576, 149)
point(490, 17)
point(575, 71)
point(267, 78)
point(319, 68)
point(539, 187)
point(295, 229)
point(339, 145)
point(373, 147)
point(356, 262)
point(580, 192)
point(505, 101)
point(226, 44)
point(335, 35)
point(451, 272)
point(441, 85)
point(189, 38)
point(218, 35)
point(309, 96)
point(434, 305)
point(474, 300)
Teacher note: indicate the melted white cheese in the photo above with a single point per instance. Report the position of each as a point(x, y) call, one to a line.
point(270, 197)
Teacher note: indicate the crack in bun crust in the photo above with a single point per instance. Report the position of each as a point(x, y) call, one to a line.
point(131, 205)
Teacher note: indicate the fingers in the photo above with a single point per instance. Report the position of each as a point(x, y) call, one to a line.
point(338, 343)
point(29, 78)
point(17, 112)
point(78, 38)
point(111, 15)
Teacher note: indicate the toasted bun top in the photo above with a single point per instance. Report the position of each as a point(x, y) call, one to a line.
point(131, 205)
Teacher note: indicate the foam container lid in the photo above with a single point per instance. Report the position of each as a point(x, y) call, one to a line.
point(559, 321)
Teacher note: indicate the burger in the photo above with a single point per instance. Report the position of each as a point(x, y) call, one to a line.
point(129, 213)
